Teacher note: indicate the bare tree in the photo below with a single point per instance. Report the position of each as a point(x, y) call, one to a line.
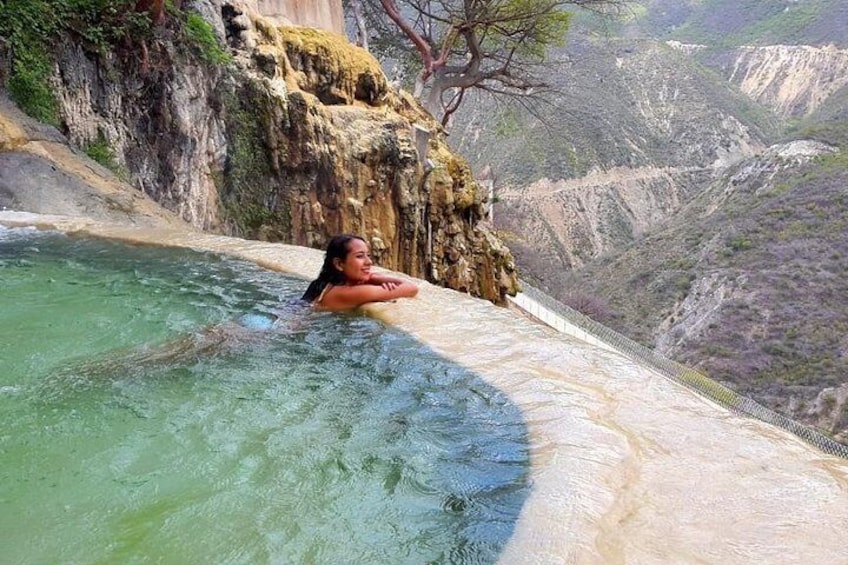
point(499, 46)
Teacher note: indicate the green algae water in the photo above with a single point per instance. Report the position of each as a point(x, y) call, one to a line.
point(148, 417)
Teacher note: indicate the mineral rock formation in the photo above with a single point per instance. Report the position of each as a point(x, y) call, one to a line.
point(296, 137)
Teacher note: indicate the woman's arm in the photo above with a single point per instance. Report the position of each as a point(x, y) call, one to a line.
point(347, 297)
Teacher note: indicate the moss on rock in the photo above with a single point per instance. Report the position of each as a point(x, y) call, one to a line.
point(327, 65)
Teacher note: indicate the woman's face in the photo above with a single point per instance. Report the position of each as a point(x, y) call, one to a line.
point(356, 266)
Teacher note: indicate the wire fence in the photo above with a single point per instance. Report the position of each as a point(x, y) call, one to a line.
point(567, 320)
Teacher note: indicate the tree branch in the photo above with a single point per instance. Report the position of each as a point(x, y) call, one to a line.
point(421, 45)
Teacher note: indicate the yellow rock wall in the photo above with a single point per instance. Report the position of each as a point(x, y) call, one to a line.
point(345, 159)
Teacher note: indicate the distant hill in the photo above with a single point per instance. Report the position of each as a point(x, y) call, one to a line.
point(733, 23)
point(688, 186)
point(747, 282)
point(616, 103)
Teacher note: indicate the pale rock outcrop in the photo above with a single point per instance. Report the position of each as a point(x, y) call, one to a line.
point(323, 14)
point(830, 411)
point(40, 172)
point(793, 79)
point(700, 307)
point(764, 168)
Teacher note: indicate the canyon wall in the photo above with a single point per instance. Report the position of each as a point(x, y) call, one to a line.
point(667, 129)
point(565, 223)
point(637, 129)
point(792, 80)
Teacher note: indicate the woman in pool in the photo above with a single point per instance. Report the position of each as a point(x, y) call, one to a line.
point(346, 280)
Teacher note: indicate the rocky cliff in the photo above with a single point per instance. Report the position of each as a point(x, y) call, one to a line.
point(289, 134)
point(792, 80)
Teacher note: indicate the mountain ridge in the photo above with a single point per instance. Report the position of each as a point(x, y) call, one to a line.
point(692, 198)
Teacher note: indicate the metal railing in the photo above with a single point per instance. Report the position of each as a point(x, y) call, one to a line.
point(567, 320)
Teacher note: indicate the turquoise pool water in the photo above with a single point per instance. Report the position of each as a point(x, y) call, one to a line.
point(151, 412)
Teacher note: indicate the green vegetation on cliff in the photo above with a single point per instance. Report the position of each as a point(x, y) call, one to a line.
point(100, 151)
point(254, 206)
point(33, 28)
point(201, 36)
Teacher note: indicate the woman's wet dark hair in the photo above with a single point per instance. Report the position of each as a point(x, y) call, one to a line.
point(337, 248)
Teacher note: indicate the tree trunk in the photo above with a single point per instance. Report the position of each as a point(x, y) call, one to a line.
point(361, 28)
point(433, 103)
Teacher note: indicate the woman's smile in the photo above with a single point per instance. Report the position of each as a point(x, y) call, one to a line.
point(357, 265)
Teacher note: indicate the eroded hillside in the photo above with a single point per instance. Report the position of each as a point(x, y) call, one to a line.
point(636, 129)
point(679, 193)
point(745, 282)
point(792, 80)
